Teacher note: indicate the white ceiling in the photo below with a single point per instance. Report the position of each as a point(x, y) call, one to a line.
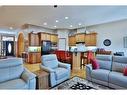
point(15, 16)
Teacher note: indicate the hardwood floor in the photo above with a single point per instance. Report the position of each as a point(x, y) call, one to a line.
point(34, 67)
point(80, 73)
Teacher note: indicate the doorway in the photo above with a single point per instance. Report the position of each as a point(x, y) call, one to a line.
point(7, 46)
point(20, 44)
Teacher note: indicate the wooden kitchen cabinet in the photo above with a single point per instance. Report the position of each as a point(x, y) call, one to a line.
point(48, 36)
point(45, 36)
point(91, 39)
point(80, 37)
point(54, 38)
point(34, 57)
point(72, 40)
point(33, 39)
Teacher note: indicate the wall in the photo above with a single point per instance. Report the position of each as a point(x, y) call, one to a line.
point(114, 31)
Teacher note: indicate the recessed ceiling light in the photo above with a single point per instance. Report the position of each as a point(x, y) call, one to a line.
point(45, 23)
point(54, 26)
point(66, 17)
point(11, 28)
point(71, 26)
point(57, 20)
point(79, 24)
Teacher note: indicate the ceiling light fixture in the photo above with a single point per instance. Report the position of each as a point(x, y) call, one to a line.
point(11, 28)
point(79, 24)
point(66, 17)
point(45, 23)
point(57, 20)
point(71, 26)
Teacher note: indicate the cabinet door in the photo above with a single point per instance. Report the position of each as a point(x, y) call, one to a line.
point(32, 58)
point(31, 41)
point(90, 39)
point(80, 38)
point(38, 57)
point(36, 40)
point(48, 37)
point(87, 39)
point(72, 41)
point(54, 38)
point(43, 36)
point(93, 39)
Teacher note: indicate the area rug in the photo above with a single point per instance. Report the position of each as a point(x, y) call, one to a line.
point(77, 83)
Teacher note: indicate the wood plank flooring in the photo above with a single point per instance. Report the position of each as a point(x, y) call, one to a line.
point(34, 67)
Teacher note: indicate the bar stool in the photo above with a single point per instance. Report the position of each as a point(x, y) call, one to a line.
point(86, 59)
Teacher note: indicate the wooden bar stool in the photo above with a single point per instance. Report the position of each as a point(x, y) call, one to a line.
point(86, 59)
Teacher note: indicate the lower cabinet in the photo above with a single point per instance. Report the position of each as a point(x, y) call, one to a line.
point(34, 57)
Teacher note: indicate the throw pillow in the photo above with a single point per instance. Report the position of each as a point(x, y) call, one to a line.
point(95, 64)
point(125, 71)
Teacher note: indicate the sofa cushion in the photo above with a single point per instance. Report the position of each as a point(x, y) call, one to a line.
point(118, 78)
point(50, 61)
point(105, 61)
point(100, 74)
point(119, 63)
point(60, 73)
point(95, 64)
point(10, 69)
point(14, 84)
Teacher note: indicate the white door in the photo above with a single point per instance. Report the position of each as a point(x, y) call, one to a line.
point(62, 44)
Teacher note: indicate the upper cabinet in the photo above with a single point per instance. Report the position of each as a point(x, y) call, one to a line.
point(33, 39)
point(91, 39)
point(72, 40)
point(45, 36)
point(54, 38)
point(80, 37)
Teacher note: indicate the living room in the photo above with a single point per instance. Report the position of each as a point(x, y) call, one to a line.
point(59, 47)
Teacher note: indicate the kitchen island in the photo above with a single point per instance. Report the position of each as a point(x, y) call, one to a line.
point(76, 62)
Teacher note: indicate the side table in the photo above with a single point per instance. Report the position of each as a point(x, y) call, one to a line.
point(42, 79)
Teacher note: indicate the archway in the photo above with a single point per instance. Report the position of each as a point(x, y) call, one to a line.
point(20, 44)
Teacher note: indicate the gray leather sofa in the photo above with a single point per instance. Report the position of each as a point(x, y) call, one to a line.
point(110, 72)
point(13, 75)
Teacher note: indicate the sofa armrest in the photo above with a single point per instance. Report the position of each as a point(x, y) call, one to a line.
point(89, 66)
point(64, 65)
point(47, 69)
point(27, 75)
point(88, 72)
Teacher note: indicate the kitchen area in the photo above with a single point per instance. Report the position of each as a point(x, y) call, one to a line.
point(79, 45)
point(37, 45)
point(42, 43)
